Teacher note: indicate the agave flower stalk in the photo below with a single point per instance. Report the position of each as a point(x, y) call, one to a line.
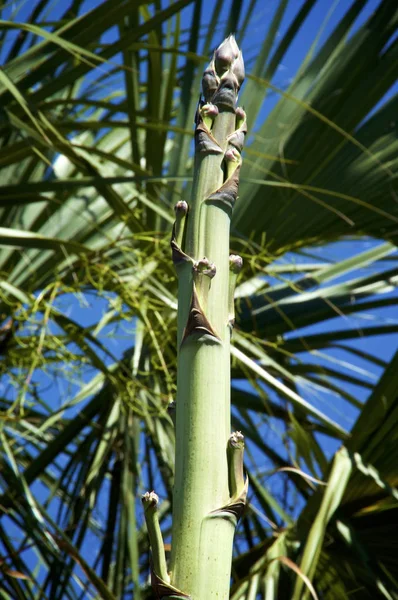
point(209, 490)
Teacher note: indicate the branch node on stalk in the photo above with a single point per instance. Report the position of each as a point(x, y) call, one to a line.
point(197, 323)
point(237, 483)
point(234, 509)
point(233, 160)
point(227, 194)
point(241, 119)
point(236, 139)
point(205, 142)
point(205, 267)
point(178, 256)
point(208, 112)
point(163, 589)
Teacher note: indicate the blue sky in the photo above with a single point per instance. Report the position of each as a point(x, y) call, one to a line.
point(323, 18)
point(320, 22)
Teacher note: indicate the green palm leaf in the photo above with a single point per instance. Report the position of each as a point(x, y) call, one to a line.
point(96, 110)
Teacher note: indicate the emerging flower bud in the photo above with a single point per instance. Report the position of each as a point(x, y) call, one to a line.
point(210, 82)
point(240, 113)
point(225, 55)
point(235, 263)
point(232, 154)
point(205, 267)
point(150, 499)
point(240, 117)
point(224, 75)
point(208, 113)
point(209, 110)
point(181, 208)
point(239, 69)
point(237, 438)
point(228, 57)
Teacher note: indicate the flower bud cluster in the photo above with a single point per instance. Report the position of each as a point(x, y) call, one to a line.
point(205, 267)
point(150, 499)
point(224, 75)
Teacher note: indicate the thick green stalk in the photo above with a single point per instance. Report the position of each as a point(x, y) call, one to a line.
point(205, 508)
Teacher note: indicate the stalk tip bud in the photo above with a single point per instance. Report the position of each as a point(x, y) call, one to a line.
point(181, 208)
point(224, 75)
point(228, 55)
point(236, 440)
point(235, 263)
point(150, 499)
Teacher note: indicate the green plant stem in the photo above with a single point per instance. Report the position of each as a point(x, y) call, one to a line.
point(150, 503)
point(202, 534)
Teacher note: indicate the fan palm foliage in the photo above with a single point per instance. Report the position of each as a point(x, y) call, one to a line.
point(97, 102)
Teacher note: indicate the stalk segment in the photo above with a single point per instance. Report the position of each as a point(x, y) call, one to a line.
point(204, 515)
